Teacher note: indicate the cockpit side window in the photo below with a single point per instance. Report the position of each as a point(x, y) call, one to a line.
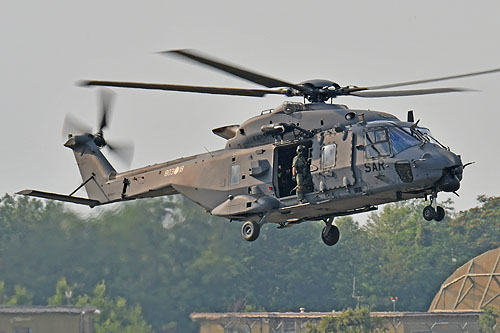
point(377, 143)
point(401, 139)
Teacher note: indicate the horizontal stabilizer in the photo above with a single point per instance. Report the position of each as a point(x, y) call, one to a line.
point(60, 197)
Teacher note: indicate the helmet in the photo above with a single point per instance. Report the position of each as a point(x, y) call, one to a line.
point(300, 148)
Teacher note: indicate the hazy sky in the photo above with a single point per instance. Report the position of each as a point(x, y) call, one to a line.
point(49, 45)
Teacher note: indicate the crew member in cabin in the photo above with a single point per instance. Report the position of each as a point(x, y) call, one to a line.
point(301, 172)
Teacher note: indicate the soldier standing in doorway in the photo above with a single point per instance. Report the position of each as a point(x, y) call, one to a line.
point(301, 172)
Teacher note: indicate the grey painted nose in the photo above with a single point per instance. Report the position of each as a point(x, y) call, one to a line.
point(452, 172)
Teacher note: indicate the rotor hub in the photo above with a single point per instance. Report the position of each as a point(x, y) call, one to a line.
point(99, 140)
point(318, 90)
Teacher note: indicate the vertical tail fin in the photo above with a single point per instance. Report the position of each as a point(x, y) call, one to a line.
point(94, 167)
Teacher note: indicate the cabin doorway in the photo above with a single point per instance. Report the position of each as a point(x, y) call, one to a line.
point(284, 154)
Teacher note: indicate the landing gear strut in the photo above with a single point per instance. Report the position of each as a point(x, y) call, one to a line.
point(330, 233)
point(433, 211)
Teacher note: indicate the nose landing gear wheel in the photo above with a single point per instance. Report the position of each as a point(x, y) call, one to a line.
point(440, 213)
point(433, 211)
point(250, 230)
point(330, 235)
point(431, 214)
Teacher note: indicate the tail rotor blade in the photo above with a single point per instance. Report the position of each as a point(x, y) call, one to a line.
point(74, 126)
point(123, 151)
point(106, 99)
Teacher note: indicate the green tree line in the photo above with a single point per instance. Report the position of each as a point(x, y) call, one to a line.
point(156, 261)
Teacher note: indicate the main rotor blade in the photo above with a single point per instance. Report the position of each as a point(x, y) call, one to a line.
point(401, 84)
point(195, 89)
point(106, 98)
point(396, 93)
point(263, 80)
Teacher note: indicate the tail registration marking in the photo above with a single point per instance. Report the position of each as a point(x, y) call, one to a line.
point(173, 171)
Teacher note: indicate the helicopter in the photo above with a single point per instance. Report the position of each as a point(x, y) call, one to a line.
point(358, 159)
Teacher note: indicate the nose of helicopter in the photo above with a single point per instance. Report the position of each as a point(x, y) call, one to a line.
point(443, 165)
point(452, 170)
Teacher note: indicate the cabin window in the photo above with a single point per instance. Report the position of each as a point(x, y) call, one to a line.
point(235, 174)
point(377, 144)
point(328, 154)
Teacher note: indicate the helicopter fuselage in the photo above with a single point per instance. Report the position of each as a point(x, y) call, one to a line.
point(359, 159)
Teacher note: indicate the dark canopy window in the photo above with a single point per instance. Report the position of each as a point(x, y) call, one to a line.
point(401, 139)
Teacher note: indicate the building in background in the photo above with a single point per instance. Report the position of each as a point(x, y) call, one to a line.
point(46, 319)
point(471, 287)
point(455, 308)
point(275, 322)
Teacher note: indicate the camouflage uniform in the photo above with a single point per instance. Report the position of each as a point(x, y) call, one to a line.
point(302, 176)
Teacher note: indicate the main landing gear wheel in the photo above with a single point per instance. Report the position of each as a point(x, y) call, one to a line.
point(330, 233)
point(250, 230)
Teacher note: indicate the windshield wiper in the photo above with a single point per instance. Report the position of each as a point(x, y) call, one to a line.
point(428, 138)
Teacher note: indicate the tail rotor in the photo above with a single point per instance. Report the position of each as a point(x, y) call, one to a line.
point(73, 127)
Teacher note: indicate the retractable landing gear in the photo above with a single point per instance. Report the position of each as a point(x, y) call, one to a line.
point(433, 211)
point(250, 230)
point(330, 233)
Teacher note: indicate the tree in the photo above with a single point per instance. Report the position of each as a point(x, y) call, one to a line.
point(488, 320)
point(404, 251)
point(478, 229)
point(3, 297)
point(170, 258)
point(16, 217)
point(350, 321)
point(115, 316)
point(20, 297)
point(63, 293)
point(35, 244)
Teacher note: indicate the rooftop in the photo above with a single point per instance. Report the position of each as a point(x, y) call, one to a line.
point(46, 309)
point(317, 315)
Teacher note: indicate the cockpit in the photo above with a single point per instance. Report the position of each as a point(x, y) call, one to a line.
point(393, 139)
